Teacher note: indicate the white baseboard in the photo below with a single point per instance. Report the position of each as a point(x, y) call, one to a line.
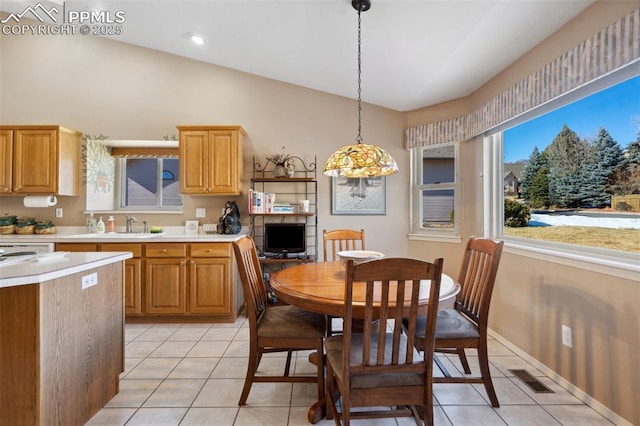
point(567, 385)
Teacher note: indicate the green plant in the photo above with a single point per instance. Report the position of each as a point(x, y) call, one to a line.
point(515, 214)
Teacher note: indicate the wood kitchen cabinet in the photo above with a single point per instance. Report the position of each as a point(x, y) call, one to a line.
point(132, 276)
point(6, 160)
point(39, 160)
point(210, 291)
point(175, 281)
point(165, 278)
point(211, 159)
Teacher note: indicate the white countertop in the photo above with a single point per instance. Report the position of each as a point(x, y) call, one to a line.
point(40, 269)
point(78, 234)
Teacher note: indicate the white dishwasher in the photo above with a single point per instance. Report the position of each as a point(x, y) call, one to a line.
point(18, 249)
point(12, 253)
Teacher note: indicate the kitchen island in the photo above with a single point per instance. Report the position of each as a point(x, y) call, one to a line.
point(61, 337)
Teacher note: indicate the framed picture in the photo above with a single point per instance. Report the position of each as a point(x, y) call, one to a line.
point(359, 195)
point(191, 227)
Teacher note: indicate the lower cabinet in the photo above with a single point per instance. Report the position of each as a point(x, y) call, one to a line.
point(181, 280)
point(166, 286)
point(132, 276)
point(209, 275)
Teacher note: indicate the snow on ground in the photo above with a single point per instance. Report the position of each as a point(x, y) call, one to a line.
point(603, 222)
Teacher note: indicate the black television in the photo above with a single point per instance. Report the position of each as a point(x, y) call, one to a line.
point(281, 239)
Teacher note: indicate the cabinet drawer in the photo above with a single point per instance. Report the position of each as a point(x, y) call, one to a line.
point(136, 249)
point(76, 247)
point(166, 250)
point(211, 250)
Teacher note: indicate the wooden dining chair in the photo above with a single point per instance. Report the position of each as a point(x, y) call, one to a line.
point(282, 328)
point(379, 367)
point(465, 325)
point(339, 240)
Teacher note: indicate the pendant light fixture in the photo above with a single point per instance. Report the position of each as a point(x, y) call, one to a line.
point(360, 160)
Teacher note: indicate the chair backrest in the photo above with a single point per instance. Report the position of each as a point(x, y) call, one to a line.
point(340, 240)
point(477, 276)
point(255, 292)
point(389, 283)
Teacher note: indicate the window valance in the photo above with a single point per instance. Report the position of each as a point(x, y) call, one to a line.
point(119, 152)
point(610, 49)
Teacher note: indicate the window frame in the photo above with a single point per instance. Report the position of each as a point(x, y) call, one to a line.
point(611, 262)
point(120, 190)
point(417, 231)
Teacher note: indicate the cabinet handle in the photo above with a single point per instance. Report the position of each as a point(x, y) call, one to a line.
point(182, 263)
point(164, 251)
point(191, 262)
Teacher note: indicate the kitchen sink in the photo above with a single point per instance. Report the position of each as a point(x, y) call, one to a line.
point(117, 235)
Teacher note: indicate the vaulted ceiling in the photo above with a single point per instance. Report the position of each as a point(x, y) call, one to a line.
point(415, 53)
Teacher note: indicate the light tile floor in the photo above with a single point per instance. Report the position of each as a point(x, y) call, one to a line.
point(192, 374)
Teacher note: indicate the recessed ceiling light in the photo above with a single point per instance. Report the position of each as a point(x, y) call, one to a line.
point(197, 39)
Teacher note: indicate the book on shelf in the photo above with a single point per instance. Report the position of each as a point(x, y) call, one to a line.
point(282, 208)
point(261, 202)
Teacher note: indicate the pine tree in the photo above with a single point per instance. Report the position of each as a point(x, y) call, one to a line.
point(535, 162)
point(539, 190)
point(566, 155)
point(605, 157)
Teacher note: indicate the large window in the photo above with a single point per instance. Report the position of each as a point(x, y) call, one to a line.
point(148, 184)
point(434, 188)
point(572, 173)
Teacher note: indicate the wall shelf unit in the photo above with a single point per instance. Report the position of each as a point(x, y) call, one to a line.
point(301, 184)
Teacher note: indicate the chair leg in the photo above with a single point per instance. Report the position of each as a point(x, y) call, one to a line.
point(287, 365)
point(332, 397)
point(254, 360)
point(441, 366)
point(483, 359)
point(321, 370)
point(427, 408)
point(463, 361)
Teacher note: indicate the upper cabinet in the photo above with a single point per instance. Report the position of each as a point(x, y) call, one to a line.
point(39, 160)
point(211, 159)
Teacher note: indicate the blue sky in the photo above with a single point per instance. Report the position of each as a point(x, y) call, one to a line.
point(621, 118)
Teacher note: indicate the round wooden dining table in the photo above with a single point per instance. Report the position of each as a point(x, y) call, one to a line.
point(319, 287)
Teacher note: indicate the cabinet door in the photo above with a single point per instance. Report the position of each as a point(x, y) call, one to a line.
point(223, 149)
point(132, 286)
point(165, 286)
point(35, 161)
point(194, 162)
point(209, 286)
point(6, 159)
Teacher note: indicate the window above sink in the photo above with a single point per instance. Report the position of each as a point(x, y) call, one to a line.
point(126, 175)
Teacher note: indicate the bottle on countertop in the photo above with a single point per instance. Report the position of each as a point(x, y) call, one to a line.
point(111, 225)
point(91, 224)
point(100, 226)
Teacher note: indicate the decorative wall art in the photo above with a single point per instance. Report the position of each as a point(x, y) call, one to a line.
point(359, 196)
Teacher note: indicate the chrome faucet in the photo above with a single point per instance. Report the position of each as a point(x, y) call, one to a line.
point(130, 220)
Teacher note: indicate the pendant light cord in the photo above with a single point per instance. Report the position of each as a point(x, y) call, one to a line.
point(359, 137)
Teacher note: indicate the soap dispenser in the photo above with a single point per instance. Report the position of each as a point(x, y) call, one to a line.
point(91, 224)
point(111, 225)
point(100, 226)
